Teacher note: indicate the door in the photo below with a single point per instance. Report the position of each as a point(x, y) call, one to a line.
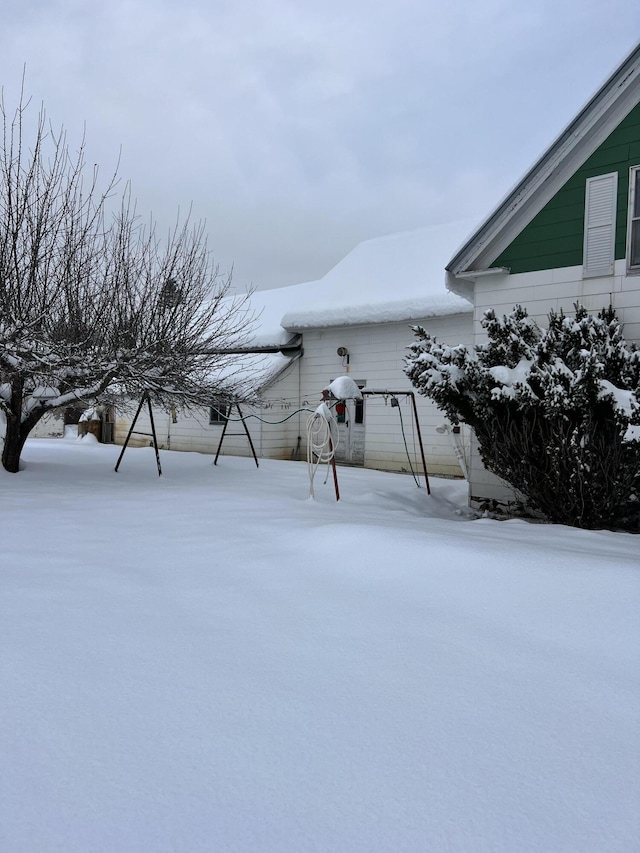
point(350, 417)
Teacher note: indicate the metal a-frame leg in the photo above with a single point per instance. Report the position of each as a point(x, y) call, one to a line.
point(155, 437)
point(246, 430)
point(224, 432)
point(145, 399)
point(335, 472)
point(417, 423)
point(129, 434)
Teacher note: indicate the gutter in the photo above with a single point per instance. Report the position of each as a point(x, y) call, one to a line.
point(291, 348)
point(463, 283)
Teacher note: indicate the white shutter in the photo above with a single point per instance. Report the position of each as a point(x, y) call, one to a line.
point(600, 225)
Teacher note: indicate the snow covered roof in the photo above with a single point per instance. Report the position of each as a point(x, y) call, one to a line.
point(247, 373)
point(388, 279)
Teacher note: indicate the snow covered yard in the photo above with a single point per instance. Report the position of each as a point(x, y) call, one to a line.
point(212, 662)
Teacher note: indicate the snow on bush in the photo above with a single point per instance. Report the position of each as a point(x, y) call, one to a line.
point(553, 409)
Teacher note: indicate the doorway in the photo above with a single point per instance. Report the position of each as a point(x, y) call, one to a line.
point(350, 416)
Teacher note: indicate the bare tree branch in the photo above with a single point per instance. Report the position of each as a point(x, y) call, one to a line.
point(92, 302)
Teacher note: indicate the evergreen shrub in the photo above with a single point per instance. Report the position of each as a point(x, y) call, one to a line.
point(556, 411)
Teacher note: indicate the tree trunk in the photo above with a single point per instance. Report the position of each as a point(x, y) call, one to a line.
point(17, 429)
point(13, 443)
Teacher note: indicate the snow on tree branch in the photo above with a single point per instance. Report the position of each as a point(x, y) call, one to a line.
point(91, 299)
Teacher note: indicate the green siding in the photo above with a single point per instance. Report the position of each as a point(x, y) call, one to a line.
point(554, 238)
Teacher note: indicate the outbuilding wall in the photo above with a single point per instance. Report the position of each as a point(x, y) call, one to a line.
point(191, 430)
point(376, 357)
point(50, 425)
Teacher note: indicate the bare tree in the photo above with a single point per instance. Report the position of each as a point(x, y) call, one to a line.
point(91, 300)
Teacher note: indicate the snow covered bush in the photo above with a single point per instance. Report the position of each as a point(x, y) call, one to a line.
point(555, 411)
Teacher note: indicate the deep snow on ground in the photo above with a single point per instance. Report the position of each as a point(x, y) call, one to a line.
point(211, 661)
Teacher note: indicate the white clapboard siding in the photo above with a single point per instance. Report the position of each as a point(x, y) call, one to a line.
point(50, 425)
point(376, 356)
point(192, 431)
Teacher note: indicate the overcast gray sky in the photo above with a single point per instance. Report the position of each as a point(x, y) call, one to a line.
point(297, 128)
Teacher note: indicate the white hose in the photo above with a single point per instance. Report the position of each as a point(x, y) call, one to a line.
point(457, 447)
point(322, 441)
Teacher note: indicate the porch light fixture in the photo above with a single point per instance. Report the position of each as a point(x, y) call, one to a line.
point(343, 352)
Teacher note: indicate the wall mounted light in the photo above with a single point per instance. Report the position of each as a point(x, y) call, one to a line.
point(343, 352)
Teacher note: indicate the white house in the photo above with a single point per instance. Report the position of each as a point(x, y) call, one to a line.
point(568, 232)
point(354, 321)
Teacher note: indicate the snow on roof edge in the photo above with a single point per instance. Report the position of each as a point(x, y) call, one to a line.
point(360, 289)
point(383, 312)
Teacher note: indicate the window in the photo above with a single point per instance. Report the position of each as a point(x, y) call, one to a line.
point(218, 412)
point(600, 225)
point(633, 229)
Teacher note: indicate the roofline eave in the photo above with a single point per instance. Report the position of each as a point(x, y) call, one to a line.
point(576, 143)
point(291, 347)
